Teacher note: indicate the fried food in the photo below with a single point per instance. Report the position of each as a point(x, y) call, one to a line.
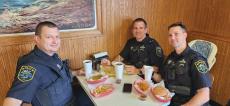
point(102, 89)
point(109, 70)
point(143, 85)
point(96, 77)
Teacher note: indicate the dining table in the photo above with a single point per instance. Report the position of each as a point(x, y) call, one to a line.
point(117, 97)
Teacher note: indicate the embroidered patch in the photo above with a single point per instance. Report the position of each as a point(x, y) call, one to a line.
point(201, 66)
point(158, 51)
point(26, 73)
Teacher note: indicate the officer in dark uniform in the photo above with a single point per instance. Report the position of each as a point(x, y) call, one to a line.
point(185, 71)
point(140, 50)
point(145, 52)
point(42, 78)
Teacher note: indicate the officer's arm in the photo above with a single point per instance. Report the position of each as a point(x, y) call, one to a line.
point(107, 62)
point(131, 69)
point(156, 76)
point(12, 102)
point(201, 97)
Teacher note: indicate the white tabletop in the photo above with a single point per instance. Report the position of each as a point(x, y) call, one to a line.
point(117, 97)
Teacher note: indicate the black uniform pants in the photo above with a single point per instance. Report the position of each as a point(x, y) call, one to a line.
point(81, 98)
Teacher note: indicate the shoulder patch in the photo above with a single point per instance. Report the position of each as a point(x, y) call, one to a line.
point(158, 51)
point(201, 66)
point(26, 73)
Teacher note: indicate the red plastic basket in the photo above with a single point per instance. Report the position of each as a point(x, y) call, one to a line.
point(102, 79)
point(160, 98)
point(107, 92)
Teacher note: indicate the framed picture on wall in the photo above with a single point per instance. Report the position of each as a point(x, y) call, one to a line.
point(22, 16)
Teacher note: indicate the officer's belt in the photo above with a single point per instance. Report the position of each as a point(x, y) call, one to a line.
point(182, 90)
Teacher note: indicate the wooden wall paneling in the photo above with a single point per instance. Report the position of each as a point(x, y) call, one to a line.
point(166, 13)
point(15, 39)
point(220, 89)
point(78, 49)
point(212, 16)
point(3, 84)
point(9, 56)
point(212, 22)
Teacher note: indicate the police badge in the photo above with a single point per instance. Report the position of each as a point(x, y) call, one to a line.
point(26, 73)
point(201, 66)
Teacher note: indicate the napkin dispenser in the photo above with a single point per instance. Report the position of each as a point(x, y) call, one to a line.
point(96, 59)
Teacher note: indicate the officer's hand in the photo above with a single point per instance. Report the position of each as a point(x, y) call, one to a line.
point(79, 72)
point(156, 77)
point(130, 69)
point(105, 62)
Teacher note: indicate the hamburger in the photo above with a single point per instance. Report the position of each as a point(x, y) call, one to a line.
point(161, 92)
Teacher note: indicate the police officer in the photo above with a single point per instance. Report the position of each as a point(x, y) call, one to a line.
point(140, 50)
point(42, 78)
point(185, 71)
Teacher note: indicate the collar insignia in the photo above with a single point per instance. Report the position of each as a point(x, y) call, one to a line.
point(169, 62)
point(142, 47)
point(58, 66)
point(131, 47)
point(182, 61)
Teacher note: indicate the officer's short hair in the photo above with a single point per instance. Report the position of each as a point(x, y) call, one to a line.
point(140, 20)
point(42, 24)
point(180, 24)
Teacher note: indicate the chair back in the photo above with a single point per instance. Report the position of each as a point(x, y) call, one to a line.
point(205, 48)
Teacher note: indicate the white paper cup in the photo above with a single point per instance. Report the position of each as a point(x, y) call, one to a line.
point(88, 68)
point(114, 63)
point(148, 73)
point(119, 68)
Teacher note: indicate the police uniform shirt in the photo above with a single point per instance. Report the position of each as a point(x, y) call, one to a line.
point(37, 71)
point(188, 69)
point(146, 52)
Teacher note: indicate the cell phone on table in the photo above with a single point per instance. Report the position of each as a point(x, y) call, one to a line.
point(127, 88)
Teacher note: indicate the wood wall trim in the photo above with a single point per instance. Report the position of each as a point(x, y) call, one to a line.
point(15, 40)
point(25, 39)
point(211, 36)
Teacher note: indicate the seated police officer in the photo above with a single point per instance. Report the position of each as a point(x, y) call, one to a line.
point(42, 78)
point(140, 50)
point(185, 71)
